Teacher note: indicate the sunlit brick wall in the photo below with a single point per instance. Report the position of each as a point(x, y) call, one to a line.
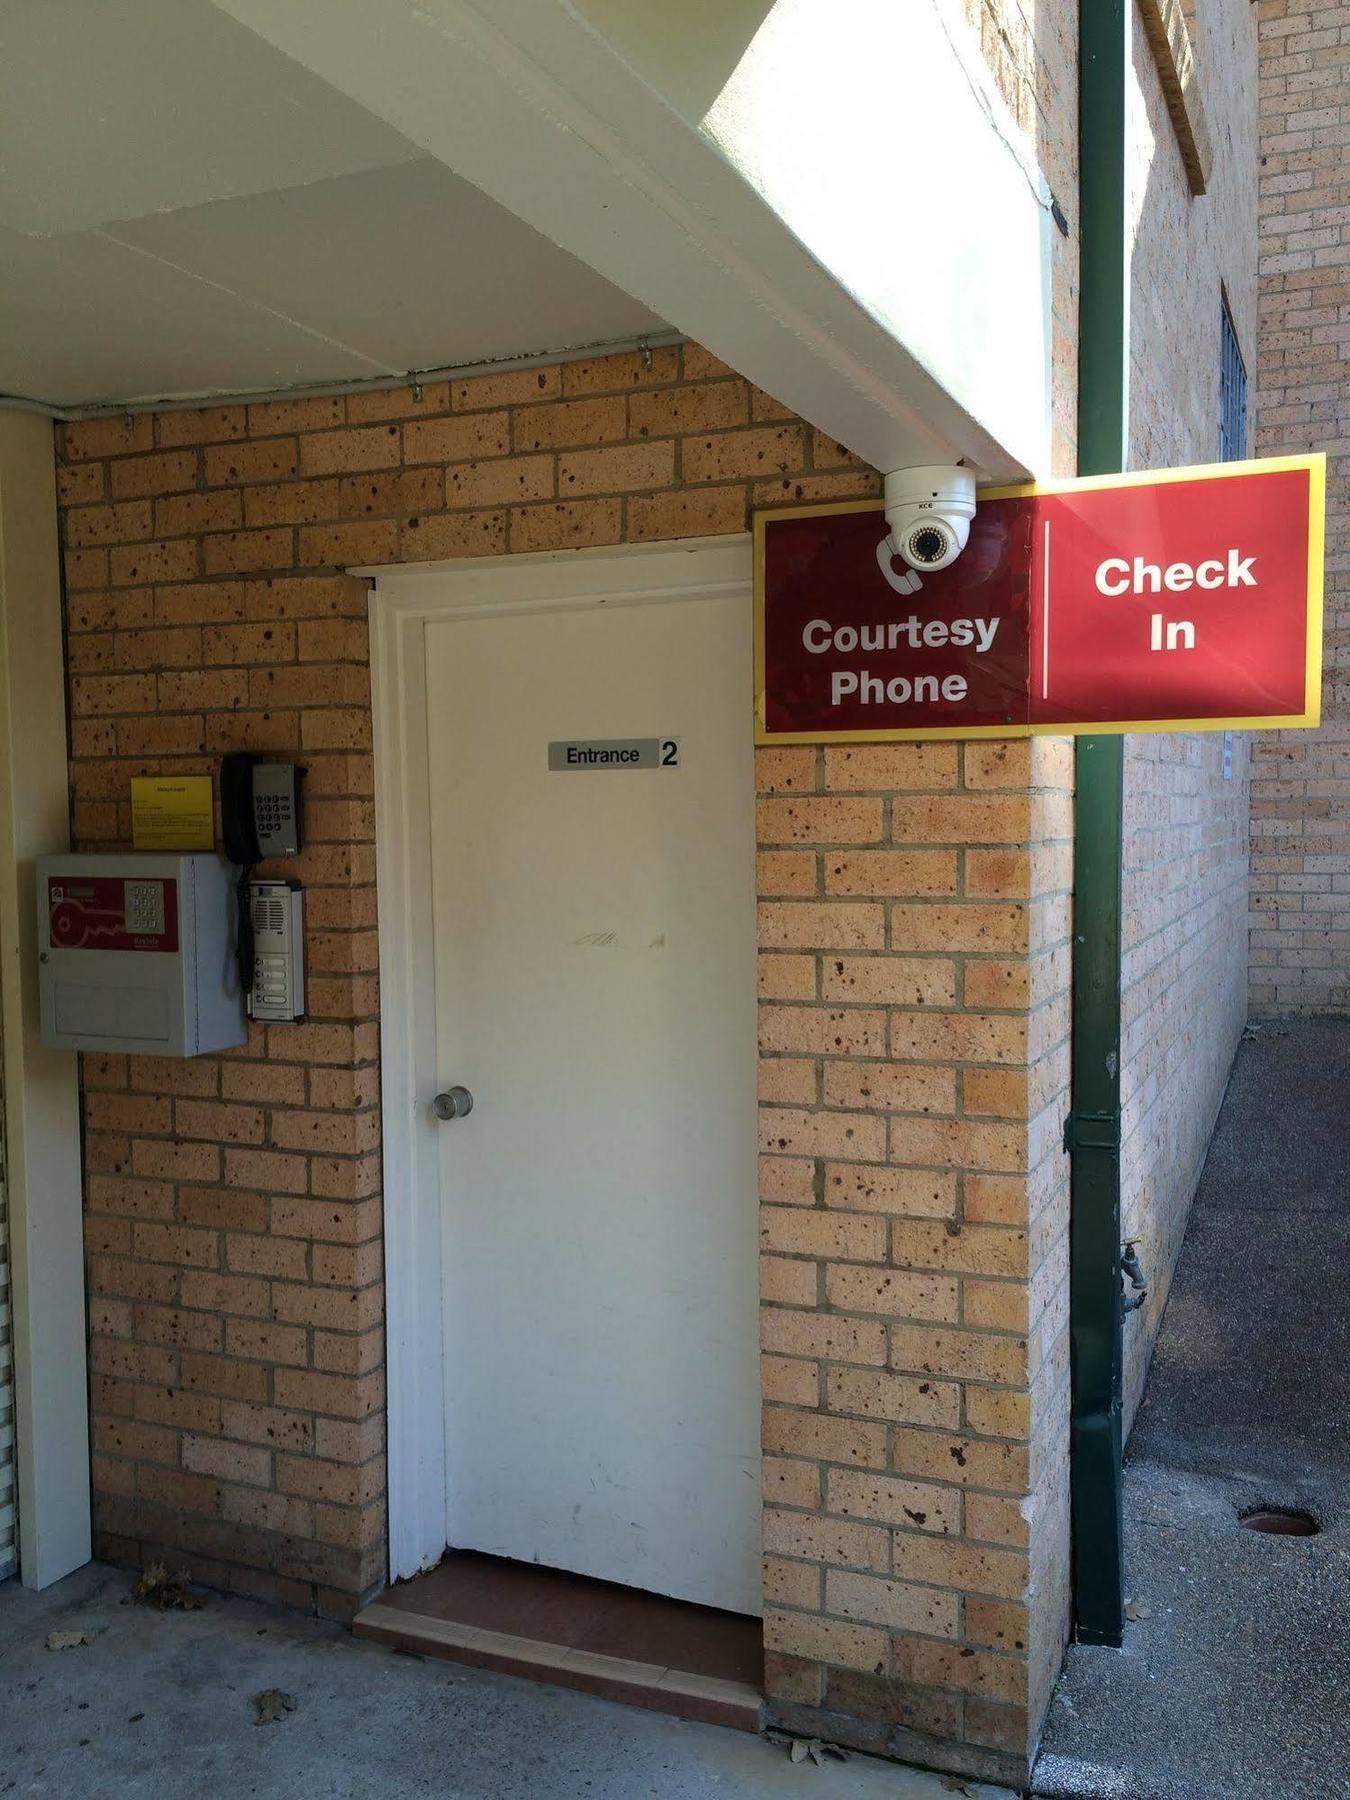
point(1301, 780)
point(1185, 878)
point(914, 925)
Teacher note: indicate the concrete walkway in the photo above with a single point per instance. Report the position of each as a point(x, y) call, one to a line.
point(1233, 1682)
point(160, 1706)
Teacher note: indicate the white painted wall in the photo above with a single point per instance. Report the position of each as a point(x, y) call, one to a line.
point(42, 1120)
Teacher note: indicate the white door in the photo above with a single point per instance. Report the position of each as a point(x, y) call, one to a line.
point(594, 969)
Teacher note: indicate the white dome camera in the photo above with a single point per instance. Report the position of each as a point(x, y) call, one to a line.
point(928, 512)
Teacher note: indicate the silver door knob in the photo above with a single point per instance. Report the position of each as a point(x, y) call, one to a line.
point(454, 1103)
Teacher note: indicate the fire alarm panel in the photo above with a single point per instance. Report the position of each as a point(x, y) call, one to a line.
point(137, 953)
point(277, 912)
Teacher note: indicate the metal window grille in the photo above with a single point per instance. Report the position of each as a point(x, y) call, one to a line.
point(1232, 393)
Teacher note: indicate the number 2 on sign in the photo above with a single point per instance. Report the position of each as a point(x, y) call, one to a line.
point(670, 753)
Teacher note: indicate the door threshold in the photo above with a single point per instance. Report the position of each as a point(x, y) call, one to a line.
point(546, 1625)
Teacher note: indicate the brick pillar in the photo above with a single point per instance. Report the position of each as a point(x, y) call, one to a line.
point(913, 976)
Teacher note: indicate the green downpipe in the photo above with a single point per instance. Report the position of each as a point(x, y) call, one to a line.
point(1093, 1134)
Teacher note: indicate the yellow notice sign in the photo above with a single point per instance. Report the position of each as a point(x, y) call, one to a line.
point(171, 812)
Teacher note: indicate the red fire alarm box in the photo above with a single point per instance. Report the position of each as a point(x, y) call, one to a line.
point(137, 953)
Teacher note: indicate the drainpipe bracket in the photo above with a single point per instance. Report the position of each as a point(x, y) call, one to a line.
point(1092, 1131)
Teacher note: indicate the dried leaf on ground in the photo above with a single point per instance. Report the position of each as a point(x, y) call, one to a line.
point(157, 1587)
point(954, 1785)
point(1138, 1609)
point(272, 1704)
point(814, 1750)
point(69, 1640)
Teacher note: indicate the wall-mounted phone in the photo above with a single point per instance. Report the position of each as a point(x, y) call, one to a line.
point(259, 808)
point(259, 819)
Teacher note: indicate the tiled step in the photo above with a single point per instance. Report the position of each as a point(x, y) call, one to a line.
point(711, 1699)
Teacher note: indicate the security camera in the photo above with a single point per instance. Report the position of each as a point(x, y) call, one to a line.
point(928, 512)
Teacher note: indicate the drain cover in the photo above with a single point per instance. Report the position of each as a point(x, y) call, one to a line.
point(1280, 1521)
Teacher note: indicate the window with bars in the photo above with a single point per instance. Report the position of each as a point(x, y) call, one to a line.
point(1232, 393)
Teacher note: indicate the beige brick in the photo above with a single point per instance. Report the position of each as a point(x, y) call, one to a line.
point(890, 1087)
point(788, 872)
point(568, 422)
point(787, 1482)
point(791, 1583)
point(786, 1281)
point(228, 1461)
point(168, 473)
point(887, 767)
point(714, 407)
point(895, 1295)
point(997, 763)
point(890, 980)
point(825, 1640)
point(789, 1431)
point(626, 468)
point(943, 1665)
point(959, 1037)
point(568, 524)
point(790, 1131)
point(899, 1605)
point(956, 928)
point(341, 452)
point(799, 925)
point(781, 977)
point(687, 512)
point(924, 1193)
point(797, 1231)
point(624, 370)
point(504, 479)
point(788, 1380)
point(787, 1081)
point(958, 1143)
point(821, 1031)
point(768, 450)
point(505, 387)
point(959, 1355)
point(823, 1334)
point(913, 1505)
point(785, 769)
point(835, 1541)
point(818, 821)
point(893, 872)
point(877, 1394)
point(974, 1249)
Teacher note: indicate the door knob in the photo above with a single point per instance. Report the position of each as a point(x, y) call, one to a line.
point(454, 1103)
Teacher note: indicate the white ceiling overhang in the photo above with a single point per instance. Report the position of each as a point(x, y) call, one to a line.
point(186, 211)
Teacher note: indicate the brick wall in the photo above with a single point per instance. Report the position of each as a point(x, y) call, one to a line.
point(1300, 941)
point(913, 969)
point(914, 923)
point(1185, 877)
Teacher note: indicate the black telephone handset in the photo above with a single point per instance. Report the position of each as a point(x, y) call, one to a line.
point(259, 808)
point(259, 819)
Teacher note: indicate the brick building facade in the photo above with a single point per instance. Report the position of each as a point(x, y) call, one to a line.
point(1300, 941)
point(915, 923)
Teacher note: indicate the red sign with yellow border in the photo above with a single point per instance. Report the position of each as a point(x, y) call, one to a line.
point(1175, 600)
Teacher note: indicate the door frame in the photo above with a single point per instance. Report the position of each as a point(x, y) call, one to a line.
point(404, 601)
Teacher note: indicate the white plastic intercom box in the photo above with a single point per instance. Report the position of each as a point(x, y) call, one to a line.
point(137, 952)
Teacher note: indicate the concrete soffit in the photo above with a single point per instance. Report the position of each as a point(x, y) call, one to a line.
point(814, 290)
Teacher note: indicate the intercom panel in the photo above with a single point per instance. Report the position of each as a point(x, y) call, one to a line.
point(278, 990)
point(136, 953)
